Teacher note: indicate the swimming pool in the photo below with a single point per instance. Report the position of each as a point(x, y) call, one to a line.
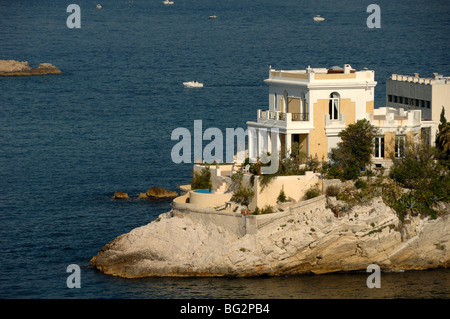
point(203, 191)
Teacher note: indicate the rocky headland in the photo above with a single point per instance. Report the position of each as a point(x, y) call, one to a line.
point(312, 239)
point(17, 68)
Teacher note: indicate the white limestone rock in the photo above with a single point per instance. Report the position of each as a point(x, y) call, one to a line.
point(312, 241)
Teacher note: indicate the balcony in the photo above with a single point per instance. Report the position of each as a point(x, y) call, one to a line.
point(282, 116)
point(300, 116)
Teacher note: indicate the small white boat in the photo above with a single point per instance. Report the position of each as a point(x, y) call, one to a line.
point(167, 2)
point(213, 17)
point(193, 84)
point(318, 18)
point(99, 6)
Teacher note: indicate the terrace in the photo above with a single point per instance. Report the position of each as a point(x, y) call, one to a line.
point(284, 119)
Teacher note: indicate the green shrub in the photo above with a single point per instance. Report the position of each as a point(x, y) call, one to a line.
point(312, 192)
point(201, 180)
point(267, 210)
point(281, 197)
point(242, 195)
point(332, 190)
point(265, 179)
point(360, 184)
point(351, 172)
point(333, 172)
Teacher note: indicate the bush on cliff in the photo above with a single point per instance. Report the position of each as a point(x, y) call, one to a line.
point(201, 180)
point(427, 181)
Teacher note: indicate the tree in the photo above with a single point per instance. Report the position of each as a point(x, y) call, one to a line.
point(201, 180)
point(354, 152)
point(241, 194)
point(428, 180)
point(443, 139)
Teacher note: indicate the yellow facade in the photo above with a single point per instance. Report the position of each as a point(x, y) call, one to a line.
point(291, 75)
point(335, 76)
point(369, 107)
point(303, 141)
point(318, 141)
point(410, 140)
point(293, 105)
point(294, 75)
point(347, 107)
point(389, 145)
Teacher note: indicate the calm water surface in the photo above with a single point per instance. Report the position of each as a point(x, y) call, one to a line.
point(68, 142)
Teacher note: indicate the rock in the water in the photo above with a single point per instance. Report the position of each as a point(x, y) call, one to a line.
point(17, 68)
point(160, 192)
point(14, 66)
point(120, 195)
point(142, 196)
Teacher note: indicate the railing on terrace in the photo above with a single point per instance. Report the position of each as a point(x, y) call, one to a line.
point(272, 115)
point(281, 116)
point(300, 116)
point(263, 114)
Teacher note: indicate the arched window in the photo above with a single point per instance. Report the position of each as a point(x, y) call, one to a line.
point(333, 106)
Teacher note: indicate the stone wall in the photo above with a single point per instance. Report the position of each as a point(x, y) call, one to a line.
point(237, 223)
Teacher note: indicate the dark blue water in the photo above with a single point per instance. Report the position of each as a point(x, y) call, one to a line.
point(68, 142)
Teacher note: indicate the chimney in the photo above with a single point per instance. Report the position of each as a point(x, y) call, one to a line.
point(347, 68)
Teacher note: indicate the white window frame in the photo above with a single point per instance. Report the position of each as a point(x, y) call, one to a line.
point(400, 146)
point(379, 147)
point(334, 106)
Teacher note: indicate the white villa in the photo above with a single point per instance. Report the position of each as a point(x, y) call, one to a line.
point(311, 107)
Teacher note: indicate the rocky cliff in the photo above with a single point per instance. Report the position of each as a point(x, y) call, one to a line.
point(308, 241)
point(17, 68)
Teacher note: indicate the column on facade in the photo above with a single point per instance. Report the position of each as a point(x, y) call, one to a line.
point(262, 135)
point(275, 143)
point(252, 143)
point(288, 143)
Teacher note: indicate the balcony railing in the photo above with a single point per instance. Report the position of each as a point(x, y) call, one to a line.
point(281, 116)
point(300, 116)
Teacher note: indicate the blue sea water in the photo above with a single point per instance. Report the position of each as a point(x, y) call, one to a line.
point(68, 142)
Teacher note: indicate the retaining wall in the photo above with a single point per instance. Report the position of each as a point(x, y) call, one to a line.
point(237, 223)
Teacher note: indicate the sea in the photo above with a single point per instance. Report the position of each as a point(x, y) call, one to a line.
point(69, 141)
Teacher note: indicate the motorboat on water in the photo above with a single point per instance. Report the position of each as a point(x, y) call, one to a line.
point(193, 84)
point(318, 18)
point(167, 2)
point(213, 17)
point(99, 6)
